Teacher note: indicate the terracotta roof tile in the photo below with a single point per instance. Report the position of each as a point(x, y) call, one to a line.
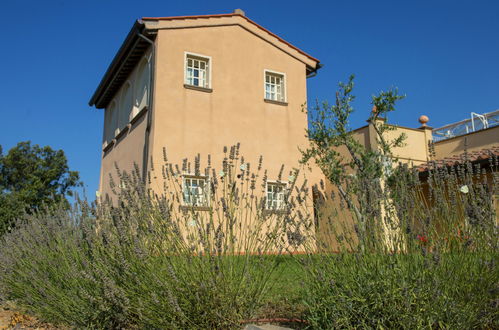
point(472, 156)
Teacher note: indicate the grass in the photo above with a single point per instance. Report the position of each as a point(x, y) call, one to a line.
point(284, 299)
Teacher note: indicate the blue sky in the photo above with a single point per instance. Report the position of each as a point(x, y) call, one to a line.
point(444, 55)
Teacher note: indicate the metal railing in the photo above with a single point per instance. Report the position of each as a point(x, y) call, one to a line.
point(476, 122)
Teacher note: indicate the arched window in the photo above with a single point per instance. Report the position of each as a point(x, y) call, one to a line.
point(142, 88)
point(125, 105)
point(110, 121)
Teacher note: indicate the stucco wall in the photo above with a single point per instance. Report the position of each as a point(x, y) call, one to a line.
point(124, 125)
point(188, 121)
point(125, 152)
point(415, 148)
point(475, 141)
point(232, 21)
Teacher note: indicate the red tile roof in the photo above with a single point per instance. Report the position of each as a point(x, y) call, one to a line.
point(472, 156)
point(229, 15)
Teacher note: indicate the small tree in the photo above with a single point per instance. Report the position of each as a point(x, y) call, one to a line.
point(360, 177)
point(31, 177)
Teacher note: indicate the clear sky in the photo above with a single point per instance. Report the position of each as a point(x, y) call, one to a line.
point(444, 55)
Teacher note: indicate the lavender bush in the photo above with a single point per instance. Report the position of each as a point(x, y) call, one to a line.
point(144, 260)
point(444, 276)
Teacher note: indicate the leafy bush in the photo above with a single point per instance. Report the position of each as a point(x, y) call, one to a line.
point(32, 177)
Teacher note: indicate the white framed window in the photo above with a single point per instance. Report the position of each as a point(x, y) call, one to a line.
point(276, 195)
point(275, 86)
point(197, 70)
point(195, 190)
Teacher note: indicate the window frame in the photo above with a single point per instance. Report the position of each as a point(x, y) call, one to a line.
point(284, 205)
point(283, 87)
point(209, 62)
point(206, 189)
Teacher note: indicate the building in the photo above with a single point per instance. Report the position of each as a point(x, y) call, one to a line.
point(194, 84)
point(475, 140)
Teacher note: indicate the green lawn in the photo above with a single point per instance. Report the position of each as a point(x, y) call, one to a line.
point(284, 297)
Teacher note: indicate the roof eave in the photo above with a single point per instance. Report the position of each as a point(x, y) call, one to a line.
point(130, 40)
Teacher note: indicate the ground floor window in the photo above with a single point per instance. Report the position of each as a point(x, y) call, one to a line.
point(195, 190)
point(276, 192)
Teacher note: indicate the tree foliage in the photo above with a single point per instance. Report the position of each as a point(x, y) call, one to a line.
point(32, 177)
point(353, 172)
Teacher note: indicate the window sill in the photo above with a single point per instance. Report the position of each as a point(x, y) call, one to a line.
point(198, 88)
point(139, 115)
point(278, 212)
point(109, 145)
point(194, 208)
point(276, 102)
point(122, 132)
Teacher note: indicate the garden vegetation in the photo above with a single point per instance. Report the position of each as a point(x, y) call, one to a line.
point(401, 250)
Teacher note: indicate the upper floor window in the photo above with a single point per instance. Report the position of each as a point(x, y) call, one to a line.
point(195, 190)
point(197, 70)
point(275, 88)
point(276, 192)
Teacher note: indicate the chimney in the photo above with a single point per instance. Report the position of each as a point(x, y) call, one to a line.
point(239, 12)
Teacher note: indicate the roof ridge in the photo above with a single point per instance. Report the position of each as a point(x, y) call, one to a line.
point(190, 16)
point(169, 18)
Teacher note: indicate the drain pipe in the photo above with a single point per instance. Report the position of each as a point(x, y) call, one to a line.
point(145, 156)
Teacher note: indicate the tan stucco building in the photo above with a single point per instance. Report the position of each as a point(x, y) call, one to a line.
point(195, 84)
